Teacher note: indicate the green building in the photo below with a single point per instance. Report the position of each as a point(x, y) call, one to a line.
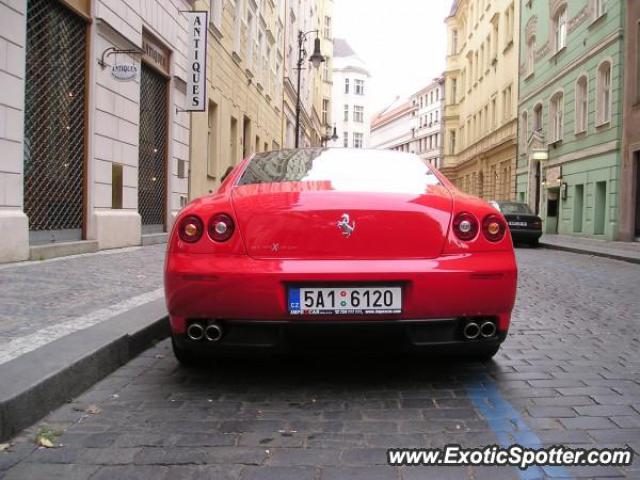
point(570, 104)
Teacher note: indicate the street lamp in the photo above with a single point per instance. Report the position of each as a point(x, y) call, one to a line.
point(331, 135)
point(316, 59)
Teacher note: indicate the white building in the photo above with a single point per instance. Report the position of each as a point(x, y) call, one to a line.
point(413, 125)
point(427, 122)
point(392, 127)
point(89, 160)
point(351, 109)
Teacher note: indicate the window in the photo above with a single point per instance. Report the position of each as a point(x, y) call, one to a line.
point(454, 90)
point(325, 69)
point(603, 99)
point(327, 28)
point(346, 113)
point(357, 140)
point(250, 36)
point(216, 13)
point(345, 139)
point(346, 85)
point(531, 51)
point(556, 114)
point(600, 8)
point(537, 118)
point(495, 35)
point(237, 21)
point(359, 87)
point(509, 19)
point(582, 104)
point(560, 28)
point(506, 103)
point(452, 142)
point(212, 140)
point(325, 111)
point(454, 42)
point(358, 114)
point(494, 112)
point(524, 130)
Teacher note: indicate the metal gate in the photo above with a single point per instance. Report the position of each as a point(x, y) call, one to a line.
point(54, 129)
point(152, 160)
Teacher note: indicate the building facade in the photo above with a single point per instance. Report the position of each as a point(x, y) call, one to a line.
point(630, 168)
point(427, 122)
point(392, 128)
point(252, 83)
point(481, 81)
point(351, 108)
point(245, 58)
point(313, 17)
point(570, 114)
point(92, 159)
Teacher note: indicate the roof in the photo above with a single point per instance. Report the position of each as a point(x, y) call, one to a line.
point(341, 48)
point(399, 107)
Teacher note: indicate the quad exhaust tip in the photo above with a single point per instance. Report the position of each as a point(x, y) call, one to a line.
point(488, 329)
point(471, 331)
point(195, 332)
point(213, 332)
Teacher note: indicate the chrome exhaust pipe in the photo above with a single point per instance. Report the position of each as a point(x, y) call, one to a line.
point(213, 332)
point(471, 331)
point(195, 332)
point(488, 329)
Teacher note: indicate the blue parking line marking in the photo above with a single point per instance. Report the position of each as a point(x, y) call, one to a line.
point(506, 422)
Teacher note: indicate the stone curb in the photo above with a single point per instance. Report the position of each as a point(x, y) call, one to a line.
point(596, 253)
point(38, 382)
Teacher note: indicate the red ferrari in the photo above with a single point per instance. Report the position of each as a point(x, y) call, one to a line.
point(367, 247)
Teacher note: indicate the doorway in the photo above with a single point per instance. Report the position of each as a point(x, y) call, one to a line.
point(600, 208)
point(54, 123)
point(537, 189)
point(553, 195)
point(578, 208)
point(152, 155)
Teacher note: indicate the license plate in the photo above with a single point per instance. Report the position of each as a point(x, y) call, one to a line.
point(345, 300)
point(518, 224)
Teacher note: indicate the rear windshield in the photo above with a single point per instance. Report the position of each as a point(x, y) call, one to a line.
point(514, 208)
point(343, 169)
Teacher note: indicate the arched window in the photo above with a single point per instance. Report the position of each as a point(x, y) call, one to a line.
point(582, 104)
point(556, 116)
point(530, 59)
point(560, 28)
point(603, 93)
point(537, 117)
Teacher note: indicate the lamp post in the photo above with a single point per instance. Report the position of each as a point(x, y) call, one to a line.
point(316, 59)
point(331, 135)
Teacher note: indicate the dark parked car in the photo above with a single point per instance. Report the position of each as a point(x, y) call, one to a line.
point(525, 226)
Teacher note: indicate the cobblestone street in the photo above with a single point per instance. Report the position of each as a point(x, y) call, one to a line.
point(569, 373)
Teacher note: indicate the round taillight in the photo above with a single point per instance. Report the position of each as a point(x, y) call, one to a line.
point(190, 229)
point(493, 228)
point(465, 226)
point(221, 227)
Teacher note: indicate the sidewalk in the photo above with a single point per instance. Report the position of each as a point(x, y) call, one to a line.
point(67, 322)
point(625, 251)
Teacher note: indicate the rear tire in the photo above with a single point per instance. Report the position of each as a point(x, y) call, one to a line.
point(534, 243)
point(185, 357)
point(486, 354)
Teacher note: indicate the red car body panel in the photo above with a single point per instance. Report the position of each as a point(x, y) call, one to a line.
point(286, 235)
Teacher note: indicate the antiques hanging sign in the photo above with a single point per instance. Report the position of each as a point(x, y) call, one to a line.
point(197, 61)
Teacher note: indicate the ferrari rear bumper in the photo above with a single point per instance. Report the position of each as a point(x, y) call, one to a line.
point(235, 289)
point(433, 336)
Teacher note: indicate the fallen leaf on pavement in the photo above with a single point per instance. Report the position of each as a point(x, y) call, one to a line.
point(44, 442)
point(4, 447)
point(93, 410)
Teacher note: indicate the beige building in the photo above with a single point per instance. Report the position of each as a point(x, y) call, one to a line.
point(481, 81)
point(251, 77)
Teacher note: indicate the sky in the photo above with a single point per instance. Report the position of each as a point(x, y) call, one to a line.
point(403, 42)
